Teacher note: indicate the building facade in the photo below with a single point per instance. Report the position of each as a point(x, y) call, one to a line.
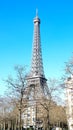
point(69, 101)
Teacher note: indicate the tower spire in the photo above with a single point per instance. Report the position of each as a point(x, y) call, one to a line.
point(37, 63)
point(36, 12)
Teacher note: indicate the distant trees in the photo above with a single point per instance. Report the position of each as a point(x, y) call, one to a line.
point(6, 109)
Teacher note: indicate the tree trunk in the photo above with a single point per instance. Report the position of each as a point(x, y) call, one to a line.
point(62, 125)
point(1, 126)
point(9, 125)
point(20, 120)
point(48, 122)
point(4, 125)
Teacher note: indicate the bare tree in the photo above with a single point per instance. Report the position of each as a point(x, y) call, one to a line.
point(69, 67)
point(16, 89)
point(54, 97)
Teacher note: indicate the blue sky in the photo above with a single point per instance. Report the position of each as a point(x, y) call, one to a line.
point(16, 35)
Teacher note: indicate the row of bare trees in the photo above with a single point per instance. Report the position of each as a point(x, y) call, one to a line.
point(14, 103)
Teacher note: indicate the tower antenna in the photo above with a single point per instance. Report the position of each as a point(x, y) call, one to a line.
point(36, 12)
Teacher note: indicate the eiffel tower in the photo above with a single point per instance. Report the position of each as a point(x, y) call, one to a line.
point(36, 77)
point(36, 81)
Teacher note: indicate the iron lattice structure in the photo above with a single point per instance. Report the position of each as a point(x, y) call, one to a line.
point(36, 77)
point(37, 87)
point(37, 64)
